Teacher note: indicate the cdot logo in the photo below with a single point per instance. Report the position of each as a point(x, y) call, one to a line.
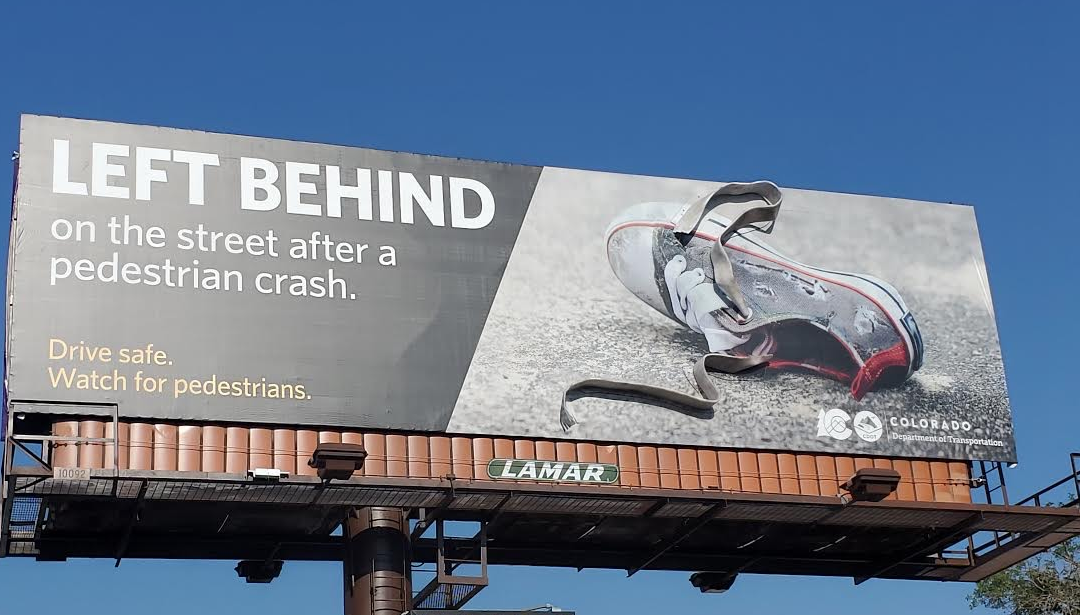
point(868, 426)
point(834, 423)
point(837, 424)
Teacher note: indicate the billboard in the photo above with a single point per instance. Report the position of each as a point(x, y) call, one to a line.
point(201, 276)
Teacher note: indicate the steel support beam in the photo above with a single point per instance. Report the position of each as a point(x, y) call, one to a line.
point(426, 518)
point(125, 540)
point(951, 536)
point(41, 462)
point(5, 510)
point(687, 531)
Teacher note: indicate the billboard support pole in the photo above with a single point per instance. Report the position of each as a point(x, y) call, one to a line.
point(377, 562)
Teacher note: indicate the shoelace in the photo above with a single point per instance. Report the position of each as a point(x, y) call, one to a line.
point(688, 219)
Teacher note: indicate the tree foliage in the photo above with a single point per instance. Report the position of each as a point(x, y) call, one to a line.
point(1048, 584)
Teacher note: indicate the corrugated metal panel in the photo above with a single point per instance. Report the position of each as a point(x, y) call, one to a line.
point(460, 457)
point(166, 446)
point(397, 455)
point(906, 490)
point(213, 448)
point(440, 455)
point(828, 484)
point(689, 474)
point(65, 454)
point(939, 481)
point(959, 478)
point(708, 469)
point(730, 478)
point(121, 457)
point(668, 462)
point(234, 449)
point(92, 455)
point(306, 441)
point(807, 471)
point(789, 474)
point(261, 451)
point(845, 467)
point(648, 466)
point(566, 451)
point(627, 460)
point(769, 467)
point(885, 464)
point(141, 450)
point(190, 438)
point(419, 457)
point(750, 472)
point(924, 484)
point(483, 452)
point(285, 451)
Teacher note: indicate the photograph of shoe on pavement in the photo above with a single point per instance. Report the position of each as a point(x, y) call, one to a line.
point(718, 314)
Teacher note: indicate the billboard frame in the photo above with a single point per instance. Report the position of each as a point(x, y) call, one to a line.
point(1019, 529)
point(796, 429)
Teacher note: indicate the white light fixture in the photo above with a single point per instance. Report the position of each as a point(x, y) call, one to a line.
point(267, 474)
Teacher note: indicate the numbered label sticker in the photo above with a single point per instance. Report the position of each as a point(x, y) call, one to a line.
point(71, 473)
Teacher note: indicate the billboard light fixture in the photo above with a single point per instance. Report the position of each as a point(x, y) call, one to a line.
point(259, 570)
point(872, 484)
point(713, 582)
point(337, 461)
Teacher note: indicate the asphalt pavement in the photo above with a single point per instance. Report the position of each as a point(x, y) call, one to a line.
point(561, 316)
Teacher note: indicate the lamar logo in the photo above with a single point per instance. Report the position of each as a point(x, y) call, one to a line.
point(835, 423)
point(528, 469)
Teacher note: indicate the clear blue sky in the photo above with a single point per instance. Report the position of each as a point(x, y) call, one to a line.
point(975, 102)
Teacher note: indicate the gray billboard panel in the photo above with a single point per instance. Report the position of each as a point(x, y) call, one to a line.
point(201, 276)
